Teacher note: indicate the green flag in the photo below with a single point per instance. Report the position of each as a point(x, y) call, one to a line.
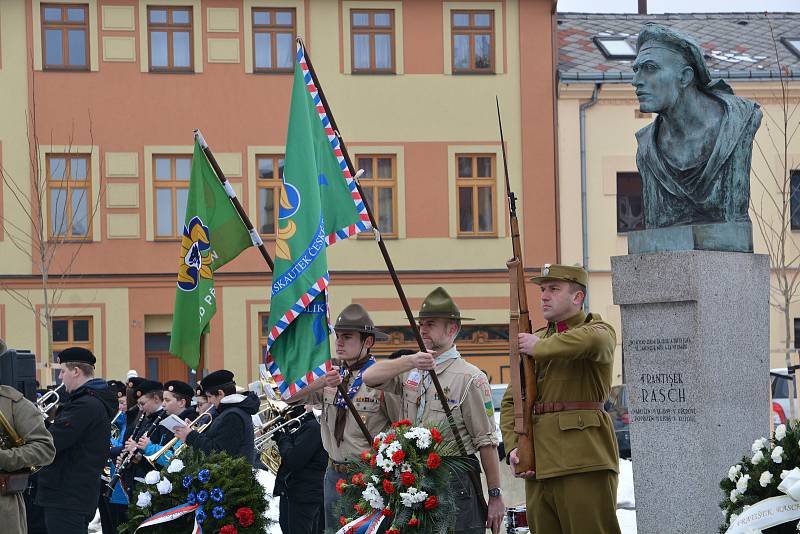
point(319, 205)
point(213, 235)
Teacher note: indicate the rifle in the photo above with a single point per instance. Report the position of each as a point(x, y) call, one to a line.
point(523, 371)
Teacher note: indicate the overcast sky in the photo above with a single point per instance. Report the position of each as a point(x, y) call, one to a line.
point(678, 6)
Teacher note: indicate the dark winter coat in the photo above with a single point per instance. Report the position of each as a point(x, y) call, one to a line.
point(80, 433)
point(232, 428)
point(303, 463)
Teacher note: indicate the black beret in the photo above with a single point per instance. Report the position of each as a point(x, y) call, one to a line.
point(134, 381)
point(148, 386)
point(216, 380)
point(77, 355)
point(181, 388)
point(117, 386)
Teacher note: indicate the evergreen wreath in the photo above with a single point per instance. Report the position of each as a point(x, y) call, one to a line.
point(405, 478)
point(757, 477)
point(229, 498)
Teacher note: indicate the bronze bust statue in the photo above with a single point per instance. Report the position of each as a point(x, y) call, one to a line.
point(694, 158)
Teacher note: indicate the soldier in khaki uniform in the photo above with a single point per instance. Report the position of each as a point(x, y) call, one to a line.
point(470, 400)
point(574, 487)
point(341, 435)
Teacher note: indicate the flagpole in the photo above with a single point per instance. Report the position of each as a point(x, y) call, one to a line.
point(254, 237)
point(385, 253)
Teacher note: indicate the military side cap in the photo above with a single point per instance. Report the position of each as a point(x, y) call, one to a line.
point(354, 318)
point(77, 355)
point(217, 380)
point(134, 381)
point(180, 388)
point(565, 273)
point(117, 387)
point(439, 304)
point(148, 386)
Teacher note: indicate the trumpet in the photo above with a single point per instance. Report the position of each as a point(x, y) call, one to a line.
point(293, 425)
point(153, 458)
point(49, 400)
point(200, 429)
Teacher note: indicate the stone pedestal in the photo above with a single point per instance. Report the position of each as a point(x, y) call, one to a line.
point(695, 342)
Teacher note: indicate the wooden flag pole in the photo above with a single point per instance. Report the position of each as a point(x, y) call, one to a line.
point(388, 260)
point(254, 237)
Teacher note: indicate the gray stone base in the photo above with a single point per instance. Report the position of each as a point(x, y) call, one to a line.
point(726, 237)
point(695, 341)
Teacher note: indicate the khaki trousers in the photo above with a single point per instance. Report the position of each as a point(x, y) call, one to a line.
point(573, 504)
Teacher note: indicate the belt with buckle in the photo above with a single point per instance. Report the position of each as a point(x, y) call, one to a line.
point(340, 467)
point(552, 407)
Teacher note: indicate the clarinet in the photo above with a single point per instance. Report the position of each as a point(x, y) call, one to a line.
point(161, 415)
point(113, 481)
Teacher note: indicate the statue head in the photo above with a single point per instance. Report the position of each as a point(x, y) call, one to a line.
point(667, 64)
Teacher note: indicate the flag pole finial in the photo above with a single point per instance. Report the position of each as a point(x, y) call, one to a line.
point(200, 139)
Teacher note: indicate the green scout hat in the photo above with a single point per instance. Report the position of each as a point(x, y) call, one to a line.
point(354, 318)
point(566, 273)
point(439, 304)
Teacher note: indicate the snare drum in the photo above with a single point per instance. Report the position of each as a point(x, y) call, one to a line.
point(516, 520)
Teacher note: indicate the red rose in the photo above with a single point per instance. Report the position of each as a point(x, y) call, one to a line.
point(436, 435)
point(342, 520)
point(388, 487)
point(400, 423)
point(228, 529)
point(245, 516)
point(431, 502)
point(388, 439)
point(387, 513)
point(340, 486)
point(398, 457)
point(413, 522)
point(434, 461)
point(366, 455)
point(408, 479)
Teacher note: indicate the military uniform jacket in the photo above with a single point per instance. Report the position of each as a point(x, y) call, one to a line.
point(469, 397)
point(574, 361)
point(38, 449)
point(375, 408)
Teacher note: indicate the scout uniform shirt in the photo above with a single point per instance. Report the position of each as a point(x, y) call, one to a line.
point(574, 361)
point(376, 409)
point(469, 398)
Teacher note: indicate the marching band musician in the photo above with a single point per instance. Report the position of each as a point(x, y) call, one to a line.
point(177, 401)
point(69, 488)
point(299, 479)
point(114, 509)
point(470, 398)
point(341, 435)
point(37, 449)
point(149, 399)
point(232, 428)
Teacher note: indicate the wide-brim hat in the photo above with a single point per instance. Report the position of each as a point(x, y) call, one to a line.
point(564, 273)
point(354, 318)
point(440, 305)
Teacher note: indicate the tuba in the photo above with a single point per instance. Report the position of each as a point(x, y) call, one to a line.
point(280, 416)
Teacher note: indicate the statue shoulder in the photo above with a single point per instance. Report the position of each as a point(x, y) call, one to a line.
point(645, 134)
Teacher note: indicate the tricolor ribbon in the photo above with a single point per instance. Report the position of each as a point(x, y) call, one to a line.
point(172, 514)
point(773, 511)
point(366, 524)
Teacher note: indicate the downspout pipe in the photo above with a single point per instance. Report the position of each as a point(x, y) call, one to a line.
point(584, 210)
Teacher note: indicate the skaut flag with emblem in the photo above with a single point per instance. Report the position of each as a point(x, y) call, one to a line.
point(213, 235)
point(319, 205)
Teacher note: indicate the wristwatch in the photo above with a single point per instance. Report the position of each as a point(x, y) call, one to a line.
point(495, 492)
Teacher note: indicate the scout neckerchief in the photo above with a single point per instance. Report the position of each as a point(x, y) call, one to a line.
point(450, 354)
point(341, 413)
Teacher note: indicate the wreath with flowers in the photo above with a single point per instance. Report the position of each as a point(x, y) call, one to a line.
point(214, 493)
point(400, 486)
point(765, 486)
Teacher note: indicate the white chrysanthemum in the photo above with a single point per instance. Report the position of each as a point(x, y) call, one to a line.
point(412, 497)
point(757, 457)
point(422, 436)
point(734, 472)
point(373, 497)
point(144, 499)
point(777, 454)
point(741, 484)
point(780, 432)
point(152, 477)
point(375, 479)
point(766, 478)
point(175, 466)
point(734, 495)
point(759, 444)
point(406, 467)
point(164, 487)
